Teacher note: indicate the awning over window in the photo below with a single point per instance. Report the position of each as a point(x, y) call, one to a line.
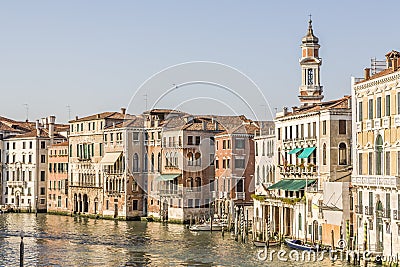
point(110, 158)
point(296, 150)
point(292, 184)
point(306, 152)
point(167, 177)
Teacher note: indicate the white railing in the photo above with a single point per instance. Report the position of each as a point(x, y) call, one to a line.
point(240, 195)
point(397, 120)
point(386, 122)
point(15, 184)
point(368, 125)
point(377, 123)
point(359, 126)
point(376, 181)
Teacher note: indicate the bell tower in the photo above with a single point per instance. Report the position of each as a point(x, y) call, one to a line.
point(310, 89)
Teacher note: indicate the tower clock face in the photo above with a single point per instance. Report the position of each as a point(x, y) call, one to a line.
point(310, 77)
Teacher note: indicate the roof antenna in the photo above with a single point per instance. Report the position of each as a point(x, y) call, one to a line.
point(26, 112)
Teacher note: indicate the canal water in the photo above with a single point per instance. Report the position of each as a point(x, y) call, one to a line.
point(52, 240)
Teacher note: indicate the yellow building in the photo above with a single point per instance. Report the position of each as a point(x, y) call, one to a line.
point(376, 135)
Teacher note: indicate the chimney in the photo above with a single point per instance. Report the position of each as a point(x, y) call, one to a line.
point(37, 128)
point(367, 73)
point(51, 120)
point(76, 117)
point(123, 111)
point(285, 111)
point(394, 63)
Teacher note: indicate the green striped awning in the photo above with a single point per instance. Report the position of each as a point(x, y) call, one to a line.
point(292, 184)
point(166, 177)
point(306, 152)
point(296, 150)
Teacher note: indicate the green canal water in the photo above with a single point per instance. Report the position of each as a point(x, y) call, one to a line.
point(52, 240)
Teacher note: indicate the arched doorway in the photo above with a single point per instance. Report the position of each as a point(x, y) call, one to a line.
point(315, 231)
point(379, 226)
point(85, 203)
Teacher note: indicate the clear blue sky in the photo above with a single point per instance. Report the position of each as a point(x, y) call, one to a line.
point(93, 55)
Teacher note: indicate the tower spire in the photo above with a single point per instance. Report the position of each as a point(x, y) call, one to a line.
point(310, 89)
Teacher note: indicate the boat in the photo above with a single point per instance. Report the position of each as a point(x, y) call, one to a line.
point(269, 243)
point(298, 244)
point(207, 227)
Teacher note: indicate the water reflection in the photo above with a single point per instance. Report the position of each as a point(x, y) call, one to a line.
point(76, 241)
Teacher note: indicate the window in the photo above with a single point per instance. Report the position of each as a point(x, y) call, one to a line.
point(42, 176)
point(216, 164)
point(212, 159)
point(228, 163)
point(342, 154)
point(30, 144)
point(135, 136)
point(13, 145)
point(135, 162)
point(387, 162)
point(310, 76)
point(300, 222)
point(42, 191)
point(387, 105)
point(324, 154)
point(239, 186)
point(197, 140)
point(23, 145)
point(135, 204)
point(342, 127)
point(190, 203)
point(360, 113)
point(239, 144)
point(398, 103)
point(279, 133)
point(190, 140)
point(224, 144)
point(212, 185)
point(370, 109)
point(378, 155)
point(107, 204)
point(360, 165)
point(42, 158)
point(378, 107)
point(228, 144)
point(324, 127)
point(263, 148)
point(370, 163)
point(43, 145)
point(239, 163)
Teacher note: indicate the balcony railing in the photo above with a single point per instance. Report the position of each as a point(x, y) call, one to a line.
point(386, 213)
point(359, 209)
point(396, 215)
point(377, 123)
point(16, 183)
point(296, 170)
point(368, 125)
point(386, 122)
point(376, 181)
point(170, 192)
point(240, 195)
point(397, 120)
point(369, 210)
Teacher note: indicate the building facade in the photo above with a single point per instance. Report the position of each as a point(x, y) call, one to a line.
point(57, 178)
point(376, 151)
point(313, 150)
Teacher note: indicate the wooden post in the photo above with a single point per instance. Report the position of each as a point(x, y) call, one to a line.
point(21, 250)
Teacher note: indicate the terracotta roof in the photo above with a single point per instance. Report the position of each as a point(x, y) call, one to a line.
point(65, 143)
point(44, 133)
point(132, 121)
point(342, 103)
point(103, 115)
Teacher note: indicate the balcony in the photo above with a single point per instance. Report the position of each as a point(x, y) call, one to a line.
point(170, 192)
point(368, 125)
point(359, 126)
point(359, 209)
point(386, 122)
point(16, 184)
point(396, 215)
point(298, 170)
point(377, 123)
point(376, 181)
point(369, 210)
point(240, 195)
point(386, 213)
point(397, 120)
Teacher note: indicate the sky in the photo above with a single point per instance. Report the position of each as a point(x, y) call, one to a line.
point(77, 58)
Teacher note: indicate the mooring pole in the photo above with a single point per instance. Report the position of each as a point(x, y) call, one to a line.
point(21, 250)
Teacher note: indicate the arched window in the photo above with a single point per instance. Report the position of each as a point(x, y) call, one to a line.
point(190, 158)
point(342, 154)
point(324, 154)
point(145, 162)
point(152, 162)
point(159, 162)
point(279, 156)
point(239, 185)
point(300, 222)
point(135, 162)
point(198, 183)
point(190, 183)
point(378, 154)
point(198, 158)
point(176, 159)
